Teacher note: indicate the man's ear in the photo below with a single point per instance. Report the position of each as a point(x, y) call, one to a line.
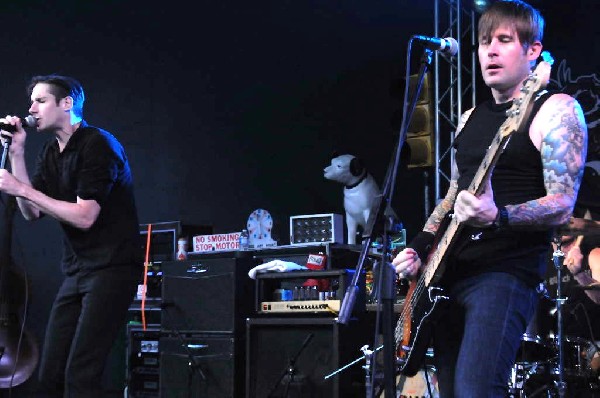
point(534, 50)
point(67, 103)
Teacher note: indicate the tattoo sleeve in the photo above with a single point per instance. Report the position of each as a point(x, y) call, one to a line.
point(563, 150)
point(436, 217)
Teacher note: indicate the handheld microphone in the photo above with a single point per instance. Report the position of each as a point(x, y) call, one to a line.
point(28, 121)
point(448, 45)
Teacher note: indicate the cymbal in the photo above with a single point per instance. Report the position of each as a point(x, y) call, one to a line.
point(591, 286)
point(580, 226)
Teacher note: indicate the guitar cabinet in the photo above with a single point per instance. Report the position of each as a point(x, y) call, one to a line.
point(319, 347)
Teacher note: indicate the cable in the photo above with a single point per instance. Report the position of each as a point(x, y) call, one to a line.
point(145, 286)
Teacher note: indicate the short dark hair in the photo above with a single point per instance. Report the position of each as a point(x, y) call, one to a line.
point(62, 87)
point(526, 20)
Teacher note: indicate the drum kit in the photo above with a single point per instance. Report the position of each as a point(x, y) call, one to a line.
point(561, 365)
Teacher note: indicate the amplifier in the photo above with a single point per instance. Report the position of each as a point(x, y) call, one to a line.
point(324, 306)
point(201, 365)
point(209, 293)
point(316, 291)
point(304, 351)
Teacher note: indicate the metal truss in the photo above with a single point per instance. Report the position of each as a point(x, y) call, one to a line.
point(454, 83)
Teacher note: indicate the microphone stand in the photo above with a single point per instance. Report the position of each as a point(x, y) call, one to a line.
point(557, 256)
point(5, 146)
point(290, 370)
point(375, 227)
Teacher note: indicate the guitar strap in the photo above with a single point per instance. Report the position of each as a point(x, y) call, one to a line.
point(538, 101)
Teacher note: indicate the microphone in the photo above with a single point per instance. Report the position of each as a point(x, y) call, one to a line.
point(29, 121)
point(447, 45)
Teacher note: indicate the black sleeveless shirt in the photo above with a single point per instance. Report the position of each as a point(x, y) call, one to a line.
point(517, 178)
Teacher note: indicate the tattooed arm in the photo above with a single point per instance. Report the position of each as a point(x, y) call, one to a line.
point(560, 134)
point(408, 262)
point(446, 204)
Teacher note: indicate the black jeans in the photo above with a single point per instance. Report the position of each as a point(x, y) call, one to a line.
point(86, 317)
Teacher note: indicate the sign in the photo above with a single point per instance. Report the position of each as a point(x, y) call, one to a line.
point(215, 243)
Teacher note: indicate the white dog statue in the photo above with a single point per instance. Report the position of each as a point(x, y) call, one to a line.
point(360, 191)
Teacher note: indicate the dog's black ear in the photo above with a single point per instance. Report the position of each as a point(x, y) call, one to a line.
point(356, 167)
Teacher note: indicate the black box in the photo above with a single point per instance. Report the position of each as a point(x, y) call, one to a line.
point(319, 346)
point(207, 294)
point(200, 365)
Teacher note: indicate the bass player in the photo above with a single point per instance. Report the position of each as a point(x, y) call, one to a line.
point(500, 257)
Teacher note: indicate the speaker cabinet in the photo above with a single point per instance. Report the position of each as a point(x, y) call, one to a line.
point(312, 348)
point(207, 294)
point(199, 365)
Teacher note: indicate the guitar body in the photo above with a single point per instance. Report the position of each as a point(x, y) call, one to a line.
point(424, 314)
point(425, 298)
point(19, 351)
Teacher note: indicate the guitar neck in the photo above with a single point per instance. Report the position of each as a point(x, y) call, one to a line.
point(489, 161)
point(483, 173)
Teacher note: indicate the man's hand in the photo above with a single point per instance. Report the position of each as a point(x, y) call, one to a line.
point(477, 211)
point(407, 263)
point(573, 260)
point(9, 184)
point(17, 137)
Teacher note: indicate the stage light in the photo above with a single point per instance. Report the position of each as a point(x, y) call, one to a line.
point(480, 5)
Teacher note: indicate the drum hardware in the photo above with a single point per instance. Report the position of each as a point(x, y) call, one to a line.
point(547, 369)
point(523, 371)
point(557, 257)
point(522, 374)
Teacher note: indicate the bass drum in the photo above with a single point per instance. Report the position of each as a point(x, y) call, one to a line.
point(422, 385)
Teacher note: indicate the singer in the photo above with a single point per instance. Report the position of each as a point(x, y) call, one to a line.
point(501, 250)
point(82, 179)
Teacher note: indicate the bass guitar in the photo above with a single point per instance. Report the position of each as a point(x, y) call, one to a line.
point(425, 296)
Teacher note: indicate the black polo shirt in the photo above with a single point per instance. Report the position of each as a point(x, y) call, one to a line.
point(93, 165)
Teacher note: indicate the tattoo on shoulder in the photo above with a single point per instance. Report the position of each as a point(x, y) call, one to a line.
point(563, 148)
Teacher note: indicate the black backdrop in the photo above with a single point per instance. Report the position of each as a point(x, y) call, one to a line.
point(225, 107)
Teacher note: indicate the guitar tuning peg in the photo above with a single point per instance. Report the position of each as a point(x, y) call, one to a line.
point(547, 57)
point(513, 112)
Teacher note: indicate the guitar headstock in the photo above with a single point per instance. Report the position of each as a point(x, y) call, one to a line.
point(537, 80)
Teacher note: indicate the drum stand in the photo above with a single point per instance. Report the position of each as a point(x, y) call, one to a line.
point(557, 257)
